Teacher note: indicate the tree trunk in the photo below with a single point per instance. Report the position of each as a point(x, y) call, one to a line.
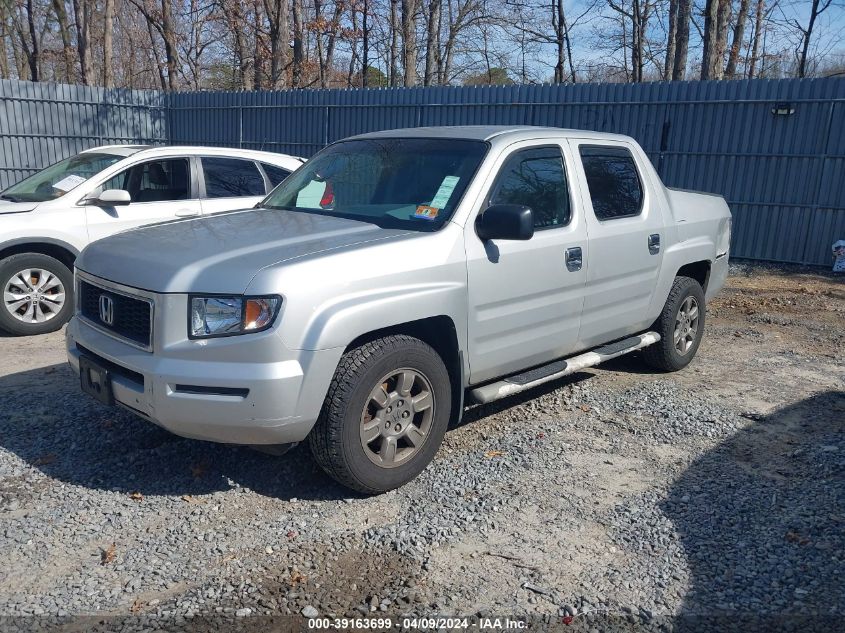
point(432, 42)
point(332, 43)
point(557, 26)
point(669, 63)
point(171, 51)
point(67, 40)
point(298, 43)
point(723, 16)
point(736, 43)
point(758, 32)
point(108, 41)
point(818, 8)
point(82, 13)
point(393, 70)
point(277, 19)
point(711, 34)
point(409, 42)
point(679, 67)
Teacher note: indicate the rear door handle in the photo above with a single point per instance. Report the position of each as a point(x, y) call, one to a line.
point(573, 258)
point(187, 213)
point(654, 243)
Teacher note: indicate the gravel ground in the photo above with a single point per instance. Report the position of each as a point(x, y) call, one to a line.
point(714, 492)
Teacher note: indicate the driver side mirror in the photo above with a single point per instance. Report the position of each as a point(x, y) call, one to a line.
point(113, 198)
point(505, 222)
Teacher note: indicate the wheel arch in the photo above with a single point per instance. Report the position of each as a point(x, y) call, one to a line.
point(440, 332)
point(56, 249)
point(700, 271)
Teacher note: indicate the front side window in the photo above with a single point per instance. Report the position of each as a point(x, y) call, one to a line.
point(413, 183)
point(58, 179)
point(154, 181)
point(231, 178)
point(613, 180)
point(535, 178)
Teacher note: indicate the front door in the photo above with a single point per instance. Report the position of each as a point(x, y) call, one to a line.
point(525, 298)
point(626, 241)
point(160, 189)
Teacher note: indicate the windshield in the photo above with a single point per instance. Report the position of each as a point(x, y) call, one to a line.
point(58, 179)
point(409, 183)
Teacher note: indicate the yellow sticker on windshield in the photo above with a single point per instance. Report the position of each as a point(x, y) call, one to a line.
point(426, 213)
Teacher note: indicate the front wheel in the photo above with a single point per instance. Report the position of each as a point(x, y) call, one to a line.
point(680, 325)
point(384, 416)
point(37, 294)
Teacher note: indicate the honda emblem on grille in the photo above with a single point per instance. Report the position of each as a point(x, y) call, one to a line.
point(106, 310)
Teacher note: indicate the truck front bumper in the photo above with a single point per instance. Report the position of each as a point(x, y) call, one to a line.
point(229, 402)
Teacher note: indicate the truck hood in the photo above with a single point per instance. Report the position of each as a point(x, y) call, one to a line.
point(219, 253)
point(7, 206)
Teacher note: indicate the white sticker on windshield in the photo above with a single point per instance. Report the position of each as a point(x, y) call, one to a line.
point(311, 195)
point(69, 182)
point(445, 192)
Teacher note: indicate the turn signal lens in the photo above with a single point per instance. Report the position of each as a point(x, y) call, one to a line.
point(259, 312)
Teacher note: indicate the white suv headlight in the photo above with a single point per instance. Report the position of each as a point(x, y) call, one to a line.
point(230, 315)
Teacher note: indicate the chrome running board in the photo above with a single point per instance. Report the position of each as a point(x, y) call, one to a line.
point(559, 368)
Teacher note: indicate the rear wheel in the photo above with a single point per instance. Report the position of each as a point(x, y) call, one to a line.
point(37, 294)
point(384, 416)
point(680, 325)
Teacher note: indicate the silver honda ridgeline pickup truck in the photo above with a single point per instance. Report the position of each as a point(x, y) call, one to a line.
point(392, 277)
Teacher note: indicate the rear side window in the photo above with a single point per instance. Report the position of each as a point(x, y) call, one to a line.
point(274, 174)
point(231, 178)
point(615, 188)
point(535, 178)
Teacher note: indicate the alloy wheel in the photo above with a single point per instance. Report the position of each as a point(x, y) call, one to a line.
point(34, 295)
point(397, 417)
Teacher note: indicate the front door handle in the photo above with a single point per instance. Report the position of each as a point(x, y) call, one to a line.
point(573, 258)
point(654, 243)
point(187, 213)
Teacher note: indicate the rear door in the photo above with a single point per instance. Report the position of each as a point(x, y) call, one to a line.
point(525, 299)
point(625, 225)
point(230, 183)
point(161, 189)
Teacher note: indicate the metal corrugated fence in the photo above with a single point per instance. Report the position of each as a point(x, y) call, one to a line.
point(42, 123)
point(781, 173)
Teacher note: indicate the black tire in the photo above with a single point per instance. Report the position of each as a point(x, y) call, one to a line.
point(14, 264)
point(665, 354)
point(336, 441)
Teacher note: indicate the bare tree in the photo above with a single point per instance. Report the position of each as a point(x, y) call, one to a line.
point(277, 19)
point(817, 7)
point(738, 35)
point(679, 66)
point(108, 44)
point(409, 41)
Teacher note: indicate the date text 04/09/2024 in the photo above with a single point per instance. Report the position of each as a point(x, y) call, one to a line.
point(416, 623)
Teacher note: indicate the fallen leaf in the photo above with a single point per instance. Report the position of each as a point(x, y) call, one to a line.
point(136, 606)
point(585, 408)
point(136, 496)
point(297, 577)
point(108, 555)
point(49, 458)
point(292, 534)
point(198, 470)
point(493, 453)
point(192, 499)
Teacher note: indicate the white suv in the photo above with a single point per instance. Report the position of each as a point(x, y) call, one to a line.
point(47, 219)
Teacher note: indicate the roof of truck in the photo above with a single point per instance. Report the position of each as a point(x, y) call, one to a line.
point(489, 132)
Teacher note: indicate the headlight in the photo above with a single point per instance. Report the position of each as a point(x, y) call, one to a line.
point(228, 316)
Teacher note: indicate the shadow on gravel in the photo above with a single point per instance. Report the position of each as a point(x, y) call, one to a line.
point(762, 518)
point(48, 422)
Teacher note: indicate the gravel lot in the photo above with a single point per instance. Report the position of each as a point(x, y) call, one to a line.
point(716, 491)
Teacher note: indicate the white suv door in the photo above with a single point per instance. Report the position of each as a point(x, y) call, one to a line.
point(230, 183)
point(160, 189)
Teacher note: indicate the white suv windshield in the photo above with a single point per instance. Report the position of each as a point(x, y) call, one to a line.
point(58, 179)
point(409, 183)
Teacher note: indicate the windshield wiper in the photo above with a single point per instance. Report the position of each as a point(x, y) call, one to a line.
point(6, 196)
